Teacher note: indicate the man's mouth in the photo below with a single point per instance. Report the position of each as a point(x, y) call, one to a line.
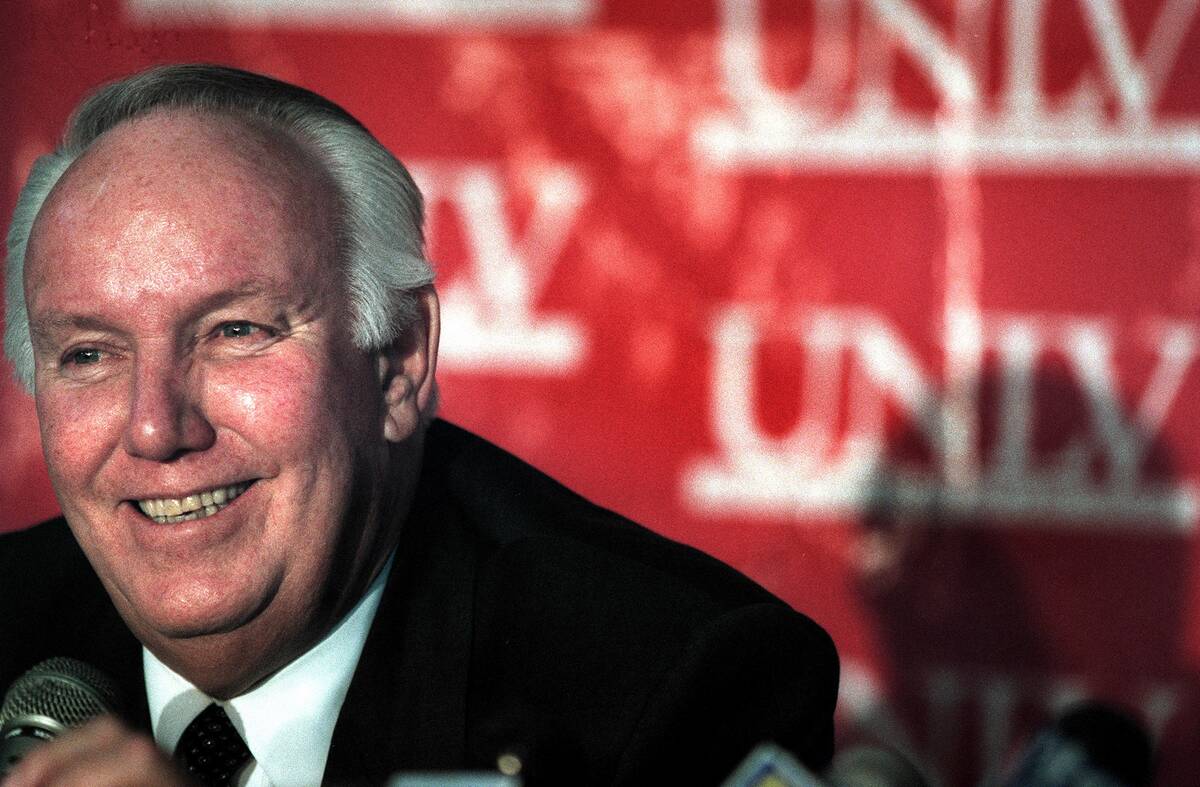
point(168, 510)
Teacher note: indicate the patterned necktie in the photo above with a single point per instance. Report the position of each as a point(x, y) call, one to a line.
point(210, 749)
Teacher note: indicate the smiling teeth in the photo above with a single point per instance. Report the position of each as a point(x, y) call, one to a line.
point(168, 510)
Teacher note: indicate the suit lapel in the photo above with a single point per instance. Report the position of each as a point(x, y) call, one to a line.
point(406, 706)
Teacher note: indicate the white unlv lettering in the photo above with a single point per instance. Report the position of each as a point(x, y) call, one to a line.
point(489, 323)
point(813, 470)
point(802, 127)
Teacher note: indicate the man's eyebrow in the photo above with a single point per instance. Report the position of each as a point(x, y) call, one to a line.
point(47, 325)
point(227, 297)
point(53, 322)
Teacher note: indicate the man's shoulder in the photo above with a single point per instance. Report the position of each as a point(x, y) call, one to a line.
point(52, 604)
point(51, 533)
point(619, 635)
point(40, 563)
point(529, 518)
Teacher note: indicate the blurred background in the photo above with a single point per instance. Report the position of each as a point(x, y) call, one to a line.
point(892, 304)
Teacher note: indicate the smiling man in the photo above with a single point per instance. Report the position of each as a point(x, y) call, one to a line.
point(218, 297)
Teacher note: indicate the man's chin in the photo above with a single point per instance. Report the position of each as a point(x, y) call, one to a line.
point(189, 621)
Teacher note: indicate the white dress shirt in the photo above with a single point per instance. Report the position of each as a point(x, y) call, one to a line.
point(287, 722)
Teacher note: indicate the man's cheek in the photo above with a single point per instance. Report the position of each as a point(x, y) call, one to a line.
point(79, 432)
point(273, 400)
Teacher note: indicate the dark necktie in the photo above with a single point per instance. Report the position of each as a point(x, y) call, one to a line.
point(210, 749)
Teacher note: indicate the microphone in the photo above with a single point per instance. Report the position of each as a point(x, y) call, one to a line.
point(52, 697)
point(867, 765)
point(769, 765)
point(1091, 743)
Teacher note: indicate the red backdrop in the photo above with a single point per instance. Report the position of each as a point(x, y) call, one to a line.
point(891, 304)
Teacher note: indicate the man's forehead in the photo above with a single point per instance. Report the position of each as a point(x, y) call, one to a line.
point(167, 154)
point(185, 161)
point(174, 196)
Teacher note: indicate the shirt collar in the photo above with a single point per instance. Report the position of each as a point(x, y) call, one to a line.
point(287, 721)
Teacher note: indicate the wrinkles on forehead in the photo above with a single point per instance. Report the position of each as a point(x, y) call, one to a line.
point(51, 323)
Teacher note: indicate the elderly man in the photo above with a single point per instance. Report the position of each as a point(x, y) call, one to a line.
point(218, 297)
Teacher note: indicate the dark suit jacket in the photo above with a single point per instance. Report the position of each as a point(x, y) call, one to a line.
point(519, 618)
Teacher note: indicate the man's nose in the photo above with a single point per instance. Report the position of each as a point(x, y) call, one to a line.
point(166, 418)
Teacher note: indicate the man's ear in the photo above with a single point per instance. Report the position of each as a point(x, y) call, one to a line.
point(406, 371)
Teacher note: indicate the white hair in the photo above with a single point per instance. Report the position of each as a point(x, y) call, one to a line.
point(381, 210)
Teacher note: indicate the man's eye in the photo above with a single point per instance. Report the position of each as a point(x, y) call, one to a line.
point(238, 330)
point(83, 357)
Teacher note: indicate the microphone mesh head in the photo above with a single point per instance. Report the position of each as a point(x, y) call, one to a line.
point(63, 689)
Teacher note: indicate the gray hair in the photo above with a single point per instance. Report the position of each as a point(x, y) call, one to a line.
point(381, 210)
